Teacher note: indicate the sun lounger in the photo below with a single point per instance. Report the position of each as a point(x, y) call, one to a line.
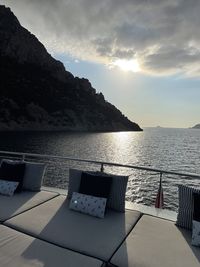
point(155, 242)
point(54, 222)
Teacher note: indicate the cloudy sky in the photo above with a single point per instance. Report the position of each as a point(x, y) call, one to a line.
point(143, 55)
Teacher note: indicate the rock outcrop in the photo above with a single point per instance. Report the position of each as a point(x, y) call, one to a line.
point(197, 126)
point(37, 93)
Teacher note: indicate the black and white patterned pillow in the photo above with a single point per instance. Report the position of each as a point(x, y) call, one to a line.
point(91, 205)
point(196, 221)
point(8, 188)
point(185, 211)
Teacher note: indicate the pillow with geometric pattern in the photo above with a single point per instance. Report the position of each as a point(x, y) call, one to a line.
point(91, 205)
point(8, 188)
point(196, 221)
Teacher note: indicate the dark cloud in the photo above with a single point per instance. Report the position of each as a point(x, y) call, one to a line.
point(162, 34)
point(183, 59)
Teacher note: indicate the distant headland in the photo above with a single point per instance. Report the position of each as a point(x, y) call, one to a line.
point(197, 126)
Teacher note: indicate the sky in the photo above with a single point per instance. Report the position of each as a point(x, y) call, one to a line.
point(143, 55)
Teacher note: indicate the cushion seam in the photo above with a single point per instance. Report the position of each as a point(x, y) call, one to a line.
point(2, 221)
point(138, 219)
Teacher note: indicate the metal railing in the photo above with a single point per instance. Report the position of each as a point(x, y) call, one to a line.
point(56, 176)
point(101, 163)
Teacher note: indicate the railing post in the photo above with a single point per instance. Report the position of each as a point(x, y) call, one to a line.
point(23, 157)
point(102, 168)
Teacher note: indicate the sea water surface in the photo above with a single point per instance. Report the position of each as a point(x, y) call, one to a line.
point(161, 148)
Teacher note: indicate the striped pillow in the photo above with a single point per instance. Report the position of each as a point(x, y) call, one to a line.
point(116, 200)
point(185, 211)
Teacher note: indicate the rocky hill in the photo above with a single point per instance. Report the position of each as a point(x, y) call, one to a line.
point(197, 126)
point(37, 93)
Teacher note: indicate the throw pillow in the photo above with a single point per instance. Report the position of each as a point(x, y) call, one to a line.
point(95, 185)
point(185, 210)
point(116, 200)
point(13, 171)
point(196, 221)
point(8, 188)
point(33, 176)
point(94, 206)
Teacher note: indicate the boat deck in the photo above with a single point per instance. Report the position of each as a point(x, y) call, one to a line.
point(45, 232)
point(37, 229)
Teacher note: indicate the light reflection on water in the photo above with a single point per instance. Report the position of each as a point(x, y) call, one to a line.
point(168, 149)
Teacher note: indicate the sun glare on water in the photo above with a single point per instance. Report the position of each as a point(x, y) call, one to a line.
point(127, 65)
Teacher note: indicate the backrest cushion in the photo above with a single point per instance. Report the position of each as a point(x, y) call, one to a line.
point(33, 176)
point(116, 200)
point(74, 181)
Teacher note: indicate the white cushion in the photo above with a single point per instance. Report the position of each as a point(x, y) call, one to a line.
point(20, 250)
point(94, 206)
point(8, 188)
point(20, 202)
point(155, 242)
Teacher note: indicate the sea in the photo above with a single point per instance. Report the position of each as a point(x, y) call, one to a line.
point(161, 148)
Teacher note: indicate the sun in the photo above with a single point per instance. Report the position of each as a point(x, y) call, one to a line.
point(127, 65)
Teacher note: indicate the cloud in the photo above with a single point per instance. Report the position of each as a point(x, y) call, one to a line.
point(162, 35)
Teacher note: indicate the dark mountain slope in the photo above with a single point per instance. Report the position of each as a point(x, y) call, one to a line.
point(37, 93)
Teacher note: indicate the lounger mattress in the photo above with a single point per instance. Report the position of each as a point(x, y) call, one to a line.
point(53, 221)
point(20, 250)
point(156, 242)
point(20, 202)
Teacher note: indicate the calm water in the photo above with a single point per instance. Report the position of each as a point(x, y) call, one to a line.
point(168, 149)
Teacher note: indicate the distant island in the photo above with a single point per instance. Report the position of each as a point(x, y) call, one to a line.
point(197, 126)
point(37, 93)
